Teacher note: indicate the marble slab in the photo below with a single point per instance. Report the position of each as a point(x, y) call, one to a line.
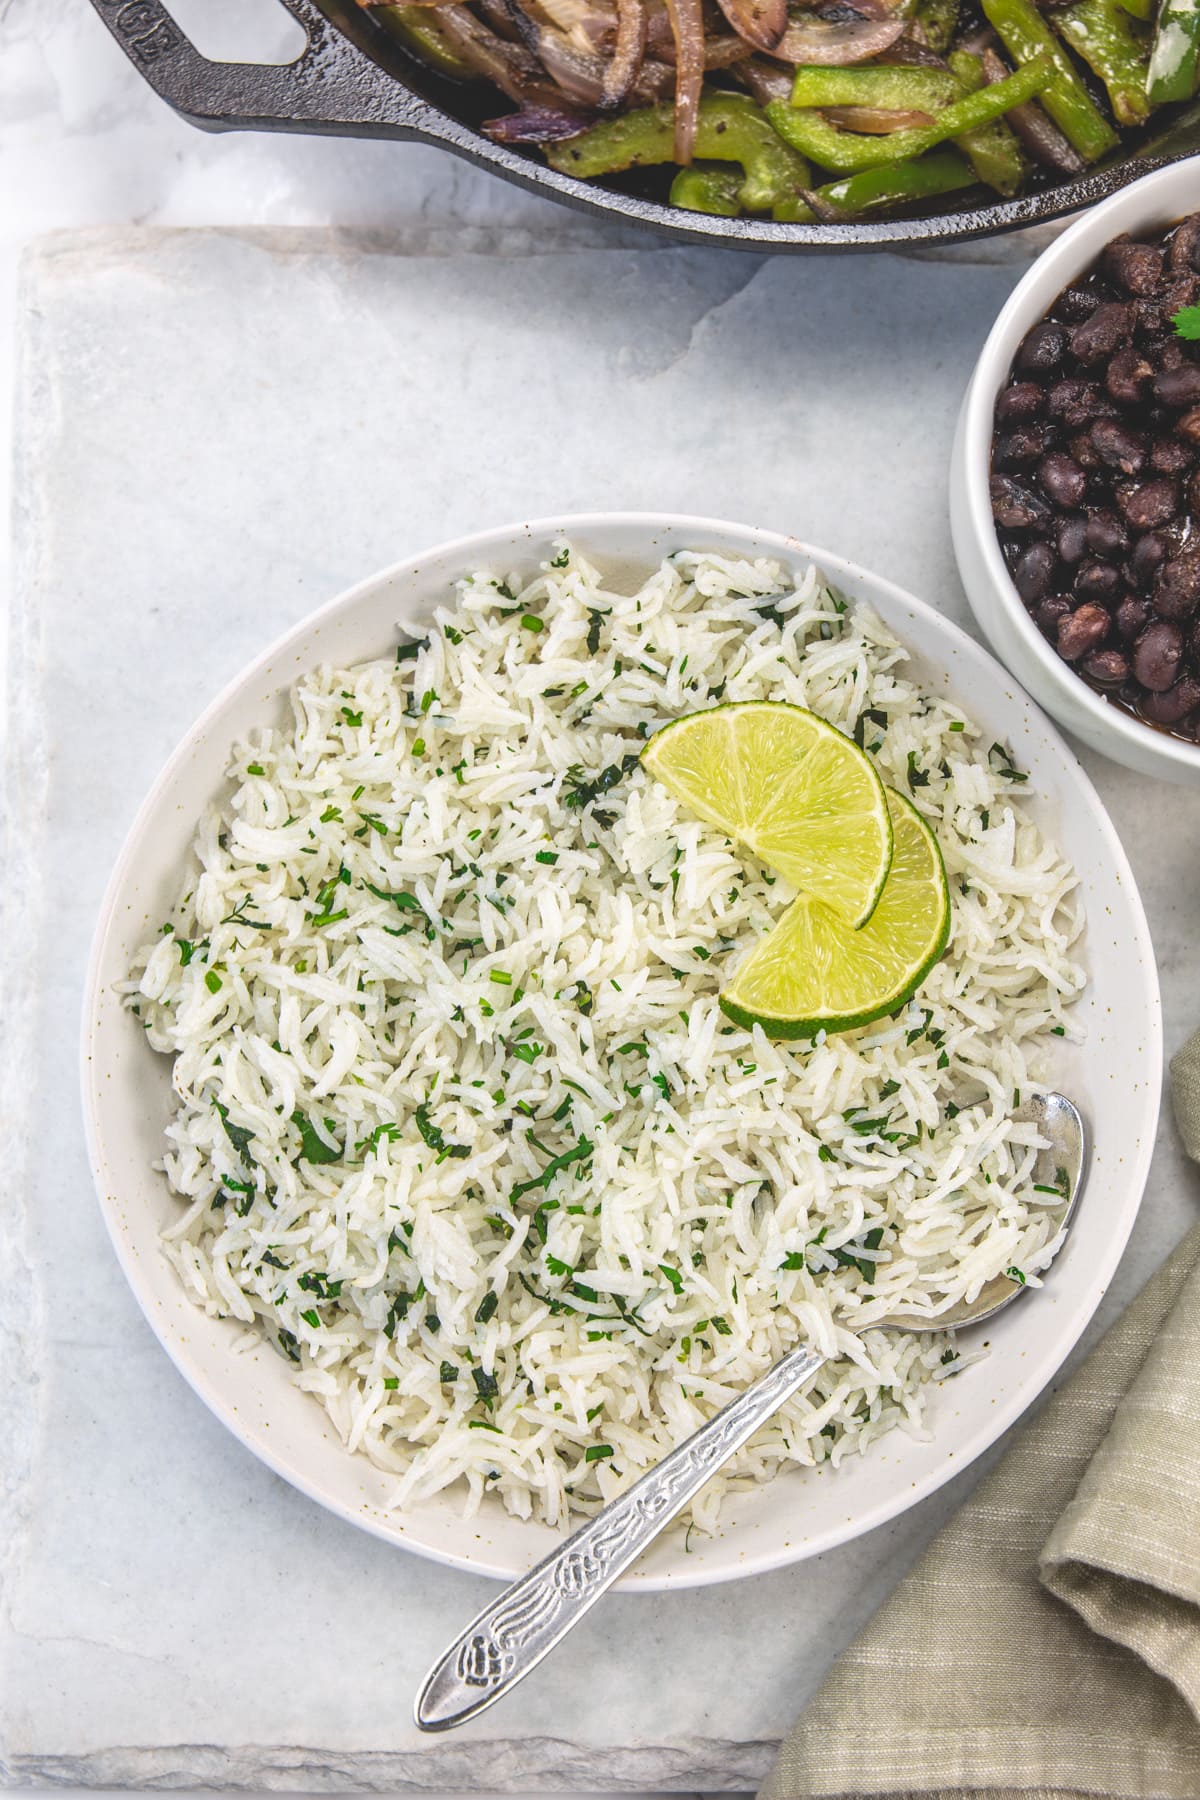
point(216, 431)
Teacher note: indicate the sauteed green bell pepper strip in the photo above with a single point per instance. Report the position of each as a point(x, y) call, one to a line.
point(715, 191)
point(1173, 58)
point(893, 184)
point(417, 29)
point(1105, 36)
point(845, 152)
point(992, 150)
point(894, 89)
point(939, 20)
point(1064, 97)
point(731, 128)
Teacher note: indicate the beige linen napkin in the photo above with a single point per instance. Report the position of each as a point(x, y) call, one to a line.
point(1047, 1645)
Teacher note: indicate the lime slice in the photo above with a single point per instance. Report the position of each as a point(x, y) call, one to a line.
point(813, 972)
point(791, 787)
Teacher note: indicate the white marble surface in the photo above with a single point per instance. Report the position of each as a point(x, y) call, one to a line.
point(218, 431)
point(171, 1613)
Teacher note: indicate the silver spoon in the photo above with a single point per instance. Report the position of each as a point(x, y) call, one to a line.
point(511, 1636)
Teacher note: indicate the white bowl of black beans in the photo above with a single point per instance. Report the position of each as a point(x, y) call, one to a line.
point(1075, 481)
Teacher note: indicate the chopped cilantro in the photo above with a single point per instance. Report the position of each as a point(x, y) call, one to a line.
point(432, 1135)
point(578, 1153)
point(486, 1385)
point(313, 1147)
point(238, 1135)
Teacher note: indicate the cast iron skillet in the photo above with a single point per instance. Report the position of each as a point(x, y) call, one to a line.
point(353, 80)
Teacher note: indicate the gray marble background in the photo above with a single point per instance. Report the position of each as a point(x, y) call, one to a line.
point(216, 431)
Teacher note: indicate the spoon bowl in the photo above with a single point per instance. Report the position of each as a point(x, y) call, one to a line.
point(1060, 1166)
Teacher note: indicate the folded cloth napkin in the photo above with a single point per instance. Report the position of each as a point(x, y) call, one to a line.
point(1047, 1645)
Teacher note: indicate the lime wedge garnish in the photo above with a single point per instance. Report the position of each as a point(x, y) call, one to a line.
point(813, 972)
point(790, 787)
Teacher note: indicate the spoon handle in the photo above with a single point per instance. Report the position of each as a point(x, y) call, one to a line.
point(510, 1637)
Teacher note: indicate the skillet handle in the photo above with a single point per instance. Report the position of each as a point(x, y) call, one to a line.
point(332, 87)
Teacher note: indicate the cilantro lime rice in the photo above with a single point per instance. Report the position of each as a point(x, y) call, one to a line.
point(458, 1121)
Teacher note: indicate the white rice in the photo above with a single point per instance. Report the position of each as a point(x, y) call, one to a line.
point(546, 985)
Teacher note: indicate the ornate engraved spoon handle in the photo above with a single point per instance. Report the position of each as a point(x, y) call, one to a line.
point(510, 1637)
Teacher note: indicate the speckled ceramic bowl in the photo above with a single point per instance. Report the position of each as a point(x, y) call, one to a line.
point(1115, 1076)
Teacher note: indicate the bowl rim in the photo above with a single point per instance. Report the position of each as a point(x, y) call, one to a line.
point(1060, 263)
point(1076, 1310)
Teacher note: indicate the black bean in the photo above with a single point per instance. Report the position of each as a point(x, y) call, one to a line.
point(1098, 581)
point(1132, 616)
point(1170, 456)
point(1082, 632)
point(1119, 446)
point(1061, 479)
point(1108, 328)
point(1106, 666)
point(1126, 376)
point(1146, 558)
point(1072, 537)
point(1138, 268)
point(1173, 703)
point(1157, 655)
point(1076, 403)
point(1188, 425)
point(1034, 573)
point(1193, 493)
point(1106, 535)
point(1052, 612)
point(1177, 591)
point(1082, 450)
point(1183, 252)
point(1076, 304)
point(1017, 507)
point(1179, 291)
point(1019, 403)
point(1149, 325)
point(1023, 445)
point(1146, 504)
point(1042, 349)
point(1178, 387)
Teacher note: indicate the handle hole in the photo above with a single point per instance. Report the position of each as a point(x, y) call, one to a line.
point(240, 31)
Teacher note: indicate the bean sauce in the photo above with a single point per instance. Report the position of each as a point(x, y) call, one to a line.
point(1096, 478)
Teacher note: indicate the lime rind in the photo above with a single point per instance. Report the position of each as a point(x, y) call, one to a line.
point(796, 791)
point(800, 979)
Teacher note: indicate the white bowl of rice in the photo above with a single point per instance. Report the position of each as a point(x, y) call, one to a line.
point(418, 1129)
